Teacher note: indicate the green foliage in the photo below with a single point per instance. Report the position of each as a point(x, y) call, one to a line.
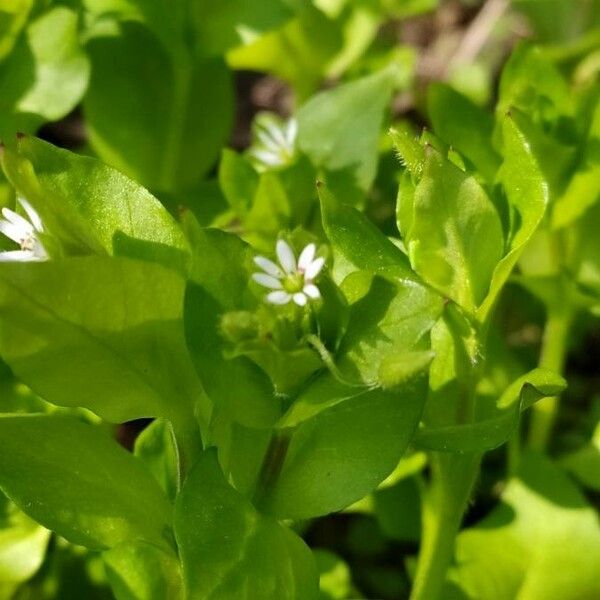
point(492, 431)
point(91, 491)
point(46, 74)
point(242, 553)
point(308, 324)
point(167, 144)
point(346, 155)
point(61, 323)
point(340, 453)
point(473, 142)
point(92, 208)
point(22, 548)
point(543, 541)
point(141, 571)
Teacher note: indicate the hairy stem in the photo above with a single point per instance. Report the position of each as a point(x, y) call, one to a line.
point(553, 354)
point(444, 503)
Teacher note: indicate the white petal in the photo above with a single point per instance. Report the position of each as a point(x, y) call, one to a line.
point(312, 291)
point(279, 297)
point(300, 299)
point(267, 157)
point(39, 251)
point(266, 139)
point(33, 215)
point(267, 280)
point(17, 219)
point(268, 266)
point(286, 257)
point(275, 133)
point(291, 131)
point(17, 256)
point(12, 231)
point(306, 257)
point(314, 268)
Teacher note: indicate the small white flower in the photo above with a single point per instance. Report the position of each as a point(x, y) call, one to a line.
point(275, 140)
point(23, 232)
point(290, 280)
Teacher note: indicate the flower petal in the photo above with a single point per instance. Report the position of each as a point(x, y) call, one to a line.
point(306, 257)
point(33, 215)
point(267, 281)
point(279, 297)
point(39, 251)
point(268, 266)
point(286, 257)
point(11, 231)
point(267, 157)
point(312, 291)
point(314, 268)
point(300, 299)
point(18, 221)
point(291, 131)
point(266, 138)
point(273, 130)
point(18, 256)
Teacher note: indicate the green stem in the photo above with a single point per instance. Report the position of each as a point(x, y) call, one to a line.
point(513, 448)
point(271, 466)
point(444, 503)
point(553, 354)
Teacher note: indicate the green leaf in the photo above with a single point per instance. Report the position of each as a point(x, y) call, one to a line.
point(339, 129)
point(582, 191)
point(410, 150)
point(455, 238)
point(401, 9)
point(156, 447)
point(335, 581)
point(14, 16)
point(387, 336)
point(92, 207)
point(222, 25)
point(167, 130)
point(228, 550)
point(543, 541)
point(344, 442)
point(344, 226)
point(80, 483)
point(299, 52)
point(165, 22)
point(45, 75)
point(465, 126)
point(220, 276)
point(555, 21)
point(62, 329)
point(491, 432)
point(398, 369)
point(238, 180)
point(398, 511)
point(270, 212)
point(584, 463)
point(586, 261)
point(527, 197)
point(535, 86)
point(23, 546)
point(140, 571)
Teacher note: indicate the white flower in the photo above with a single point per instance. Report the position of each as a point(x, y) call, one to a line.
point(23, 232)
point(275, 140)
point(290, 280)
